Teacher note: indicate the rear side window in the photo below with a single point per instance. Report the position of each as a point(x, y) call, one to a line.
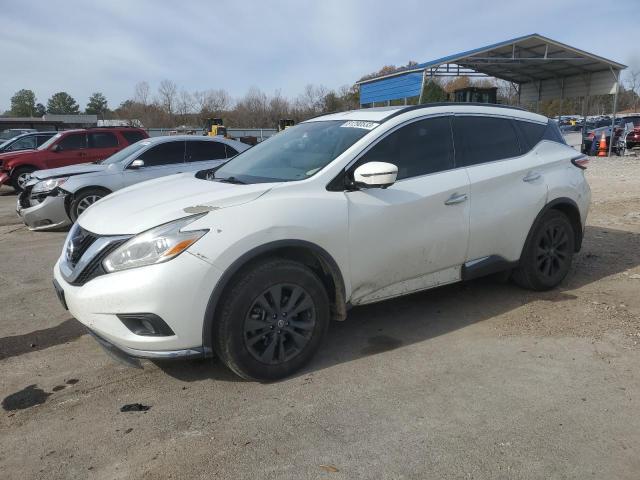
point(553, 133)
point(231, 152)
point(24, 143)
point(43, 138)
point(419, 148)
point(132, 136)
point(164, 154)
point(73, 141)
point(198, 151)
point(530, 133)
point(102, 140)
point(484, 139)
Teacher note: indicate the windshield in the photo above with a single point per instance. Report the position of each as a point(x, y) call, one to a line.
point(48, 143)
point(294, 154)
point(124, 153)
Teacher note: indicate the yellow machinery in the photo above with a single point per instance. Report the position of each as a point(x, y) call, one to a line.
point(214, 128)
point(285, 123)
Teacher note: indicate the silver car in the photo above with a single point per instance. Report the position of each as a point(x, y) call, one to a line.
point(55, 198)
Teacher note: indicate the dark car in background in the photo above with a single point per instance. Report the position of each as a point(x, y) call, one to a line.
point(594, 134)
point(26, 141)
point(66, 148)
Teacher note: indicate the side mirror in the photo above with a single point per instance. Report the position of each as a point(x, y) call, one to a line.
point(137, 163)
point(56, 148)
point(375, 175)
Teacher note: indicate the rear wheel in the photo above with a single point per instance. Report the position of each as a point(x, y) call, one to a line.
point(20, 177)
point(547, 256)
point(272, 320)
point(84, 200)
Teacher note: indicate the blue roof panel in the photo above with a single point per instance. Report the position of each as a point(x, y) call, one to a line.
point(400, 86)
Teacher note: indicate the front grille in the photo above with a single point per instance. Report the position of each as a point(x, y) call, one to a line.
point(24, 197)
point(81, 240)
point(94, 268)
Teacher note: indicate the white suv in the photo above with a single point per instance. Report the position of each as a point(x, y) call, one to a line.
point(251, 260)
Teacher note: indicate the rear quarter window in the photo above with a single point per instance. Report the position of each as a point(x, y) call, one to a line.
point(133, 136)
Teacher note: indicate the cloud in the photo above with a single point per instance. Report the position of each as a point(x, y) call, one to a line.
point(82, 47)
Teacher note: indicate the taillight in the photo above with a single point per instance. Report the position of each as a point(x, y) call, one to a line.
point(580, 161)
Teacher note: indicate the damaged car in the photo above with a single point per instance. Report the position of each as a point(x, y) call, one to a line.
point(249, 262)
point(55, 198)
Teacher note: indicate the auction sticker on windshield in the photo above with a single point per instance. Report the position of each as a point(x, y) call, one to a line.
point(360, 124)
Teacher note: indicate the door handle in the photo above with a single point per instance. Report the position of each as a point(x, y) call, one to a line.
point(532, 176)
point(456, 198)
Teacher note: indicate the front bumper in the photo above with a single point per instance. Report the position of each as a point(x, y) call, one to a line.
point(48, 214)
point(178, 291)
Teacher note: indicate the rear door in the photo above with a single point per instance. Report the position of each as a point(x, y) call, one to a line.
point(203, 154)
point(159, 160)
point(72, 149)
point(412, 235)
point(102, 145)
point(507, 185)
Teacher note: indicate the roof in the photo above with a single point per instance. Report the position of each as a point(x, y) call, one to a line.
point(382, 114)
point(521, 60)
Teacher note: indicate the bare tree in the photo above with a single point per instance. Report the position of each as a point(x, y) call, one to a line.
point(633, 82)
point(167, 96)
point(141, 93)
point(210, 102)
point(184, 104)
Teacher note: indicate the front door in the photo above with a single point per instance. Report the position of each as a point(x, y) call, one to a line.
point(71, 149)
point(412, 235)
point(160, 160)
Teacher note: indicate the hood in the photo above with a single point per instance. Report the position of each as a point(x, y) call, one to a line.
point(152, 203)
point(70, 170)
point(11, 155)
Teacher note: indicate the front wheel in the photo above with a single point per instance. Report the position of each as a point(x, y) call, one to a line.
point(84, 200)
point(548, 253)
point(20, 178)
point(272, 320)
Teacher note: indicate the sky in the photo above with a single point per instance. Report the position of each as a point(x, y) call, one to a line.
point(80, 46)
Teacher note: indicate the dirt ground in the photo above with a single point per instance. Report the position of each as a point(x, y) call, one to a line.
point(477, 380)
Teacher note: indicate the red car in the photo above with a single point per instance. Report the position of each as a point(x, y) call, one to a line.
point(66, 148)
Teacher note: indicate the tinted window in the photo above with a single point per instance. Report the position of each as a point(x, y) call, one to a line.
point(73, 141)
point(24, 143)
point(231, 152)
point(484, 139)
point(102, 140)
point(198, 151)
point(132, 136)
point(43, 138)
point(530, 133)
point(419, 148)
point(164, 154)
point(553, 133)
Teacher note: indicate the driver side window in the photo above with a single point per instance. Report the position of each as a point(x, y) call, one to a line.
point(75, 141)
point(420, 148)
point(164, 154)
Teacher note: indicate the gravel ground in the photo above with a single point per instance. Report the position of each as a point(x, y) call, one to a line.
point(476, 380)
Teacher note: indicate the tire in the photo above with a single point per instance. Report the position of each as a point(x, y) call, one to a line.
point(84, 200)
point(18, 178)
point(547, 255)
point(262, 339)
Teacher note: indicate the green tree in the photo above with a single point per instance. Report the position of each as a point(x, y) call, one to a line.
point(23, 103)
point(433, 92)
point(97, 104)
point(41, 110)
point(62, 103)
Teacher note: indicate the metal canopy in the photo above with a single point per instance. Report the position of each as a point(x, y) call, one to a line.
point(540, 68)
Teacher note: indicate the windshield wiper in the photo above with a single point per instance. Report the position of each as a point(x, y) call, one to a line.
point(231, 180)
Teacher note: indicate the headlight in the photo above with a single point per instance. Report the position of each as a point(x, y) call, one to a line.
point(48, 185)
point(157, 245)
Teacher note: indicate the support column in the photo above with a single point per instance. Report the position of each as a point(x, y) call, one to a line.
point(615, 109)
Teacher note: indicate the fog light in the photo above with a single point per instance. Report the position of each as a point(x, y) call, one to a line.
point(145, 324)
